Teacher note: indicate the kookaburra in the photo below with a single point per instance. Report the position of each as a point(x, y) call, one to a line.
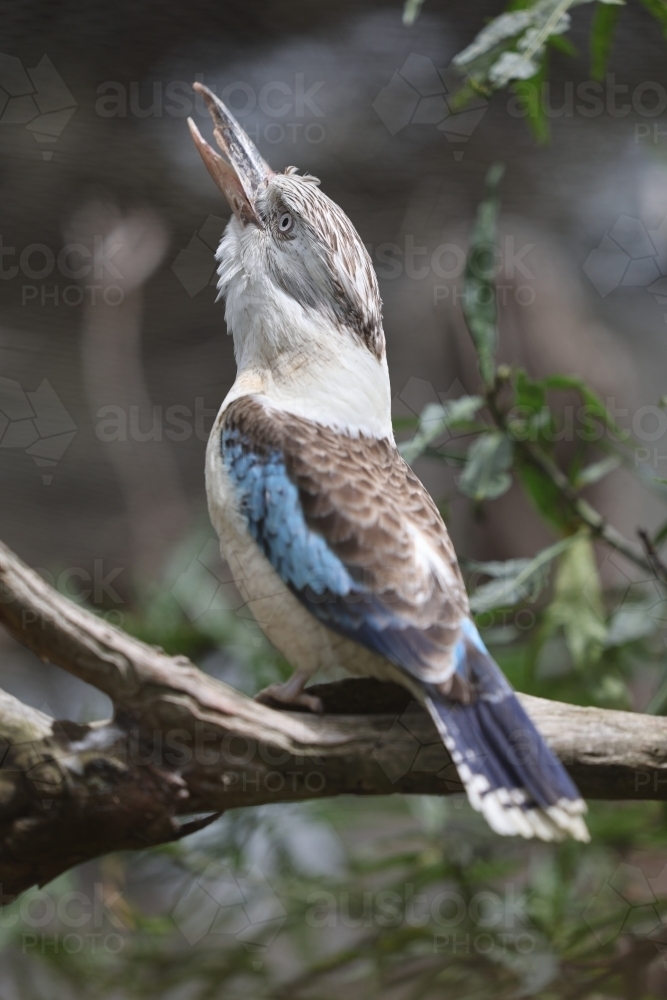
point(343, 555)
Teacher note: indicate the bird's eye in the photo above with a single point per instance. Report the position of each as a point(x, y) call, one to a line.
point(285, 222)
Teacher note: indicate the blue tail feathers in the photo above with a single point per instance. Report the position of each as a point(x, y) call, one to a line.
point(510, 774)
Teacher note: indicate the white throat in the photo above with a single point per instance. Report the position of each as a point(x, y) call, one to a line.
point(298, 359)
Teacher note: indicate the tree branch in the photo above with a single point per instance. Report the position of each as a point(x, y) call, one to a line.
point(182, 743)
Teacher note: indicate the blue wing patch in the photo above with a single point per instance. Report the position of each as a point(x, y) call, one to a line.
point(270, 503)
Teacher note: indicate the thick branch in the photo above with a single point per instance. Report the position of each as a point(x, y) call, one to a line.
point(183, 743)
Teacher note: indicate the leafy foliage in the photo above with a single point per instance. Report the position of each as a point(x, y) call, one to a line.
point(577, 605)
point(515, 580)
point(658, 8)
point(485, 475)
point(438, 418)
point(602, 37)
point(512, 46)
point(479, 296)
point(512, 49)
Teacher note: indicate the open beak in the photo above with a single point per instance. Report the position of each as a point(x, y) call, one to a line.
point(244, 174)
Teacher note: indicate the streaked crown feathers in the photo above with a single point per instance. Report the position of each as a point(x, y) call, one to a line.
point(309, 249)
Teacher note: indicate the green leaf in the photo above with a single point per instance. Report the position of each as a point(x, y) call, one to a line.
point(501, 29)
point(479, 290)
point(658, 8)
point(435, 419)
point(485, 475)
point(512, 46)
point(530, 417)
point(530, 30)
point(410, 423)
point(530, 92)
point(564, 45)
point(516, 579)
point(545, 495)
point(594, 405)
point(577, 607)
point(603, 27)
point(593, 473)
point(530, 394)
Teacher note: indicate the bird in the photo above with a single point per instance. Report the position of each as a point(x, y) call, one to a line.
point(340, 550)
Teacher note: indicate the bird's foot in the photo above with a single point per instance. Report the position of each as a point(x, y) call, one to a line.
point(291, 693)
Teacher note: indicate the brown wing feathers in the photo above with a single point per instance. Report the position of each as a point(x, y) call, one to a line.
point(359, 494)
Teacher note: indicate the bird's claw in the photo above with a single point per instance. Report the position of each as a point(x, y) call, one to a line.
point(285, 695)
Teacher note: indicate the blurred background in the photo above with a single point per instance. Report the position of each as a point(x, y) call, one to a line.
point(114, 359)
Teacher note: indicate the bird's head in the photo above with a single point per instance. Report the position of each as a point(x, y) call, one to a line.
point(293, 270)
